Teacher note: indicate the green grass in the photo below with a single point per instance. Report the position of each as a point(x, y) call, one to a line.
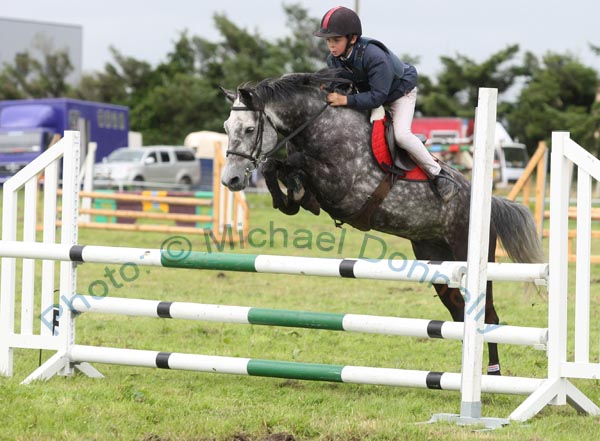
point(152, 404)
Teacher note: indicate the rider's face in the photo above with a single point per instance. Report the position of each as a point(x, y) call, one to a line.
point(337, 45)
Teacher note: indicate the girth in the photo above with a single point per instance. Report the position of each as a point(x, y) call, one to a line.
point(362, 218)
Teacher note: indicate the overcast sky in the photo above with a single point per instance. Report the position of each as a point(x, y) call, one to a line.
point(146, 29)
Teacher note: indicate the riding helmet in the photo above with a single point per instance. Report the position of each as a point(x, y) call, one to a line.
point(339, 22)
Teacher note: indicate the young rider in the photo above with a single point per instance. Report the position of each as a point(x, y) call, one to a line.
point(381, 79)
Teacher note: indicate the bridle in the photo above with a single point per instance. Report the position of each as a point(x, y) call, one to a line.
point(256, 157)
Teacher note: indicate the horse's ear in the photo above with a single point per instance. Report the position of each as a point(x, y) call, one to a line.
point(246, 96)
point(229, 94)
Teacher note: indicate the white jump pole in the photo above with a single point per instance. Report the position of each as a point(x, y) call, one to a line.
point(477, 264)
point(477, 258)
point(410, 327)
point(88, 179)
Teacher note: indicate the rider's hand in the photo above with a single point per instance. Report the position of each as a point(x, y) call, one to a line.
point(335, 99)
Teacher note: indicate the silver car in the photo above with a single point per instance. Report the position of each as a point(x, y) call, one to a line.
point(152, 166)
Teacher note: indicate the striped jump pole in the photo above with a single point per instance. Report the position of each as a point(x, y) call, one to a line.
point(421, 271)
point(296, 371)
point(408, 327)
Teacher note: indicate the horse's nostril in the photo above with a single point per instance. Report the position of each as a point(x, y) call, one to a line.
point(234, 181)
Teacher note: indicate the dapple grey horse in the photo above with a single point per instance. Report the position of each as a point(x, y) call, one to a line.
point(329, 150)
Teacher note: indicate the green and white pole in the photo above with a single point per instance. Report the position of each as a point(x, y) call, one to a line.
point(297, 371)
point(421, 271)
point(409, 327)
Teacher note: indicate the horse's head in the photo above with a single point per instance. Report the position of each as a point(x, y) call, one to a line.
point(251, 135)
point(289, 104)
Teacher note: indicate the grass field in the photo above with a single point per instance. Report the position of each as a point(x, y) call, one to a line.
point(152, 404)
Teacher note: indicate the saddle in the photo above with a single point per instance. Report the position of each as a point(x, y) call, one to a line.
point(394, 160)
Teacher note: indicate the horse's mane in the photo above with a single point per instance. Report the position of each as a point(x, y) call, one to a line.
point(292, 84)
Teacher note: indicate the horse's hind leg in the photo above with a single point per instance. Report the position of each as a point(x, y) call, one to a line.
point(453, 299)
point(491, 317)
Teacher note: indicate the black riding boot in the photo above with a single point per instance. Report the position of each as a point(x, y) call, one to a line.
point(445, 186)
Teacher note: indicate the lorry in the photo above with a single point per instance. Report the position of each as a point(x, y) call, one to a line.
point(30, 126)
point(451, 139)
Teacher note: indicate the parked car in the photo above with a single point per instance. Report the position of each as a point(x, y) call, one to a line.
point(151, 166)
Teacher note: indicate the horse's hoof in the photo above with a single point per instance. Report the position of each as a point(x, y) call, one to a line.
point(277, 202)
point(312, 205)
point(290, 210)
point(286, 206)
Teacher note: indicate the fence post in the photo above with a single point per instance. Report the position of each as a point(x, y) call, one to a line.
point(477, 258)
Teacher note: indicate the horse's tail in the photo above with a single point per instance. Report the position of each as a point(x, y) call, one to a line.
point(516, 229)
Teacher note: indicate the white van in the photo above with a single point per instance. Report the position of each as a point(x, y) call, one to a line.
point(512, 156)
point(513, 160)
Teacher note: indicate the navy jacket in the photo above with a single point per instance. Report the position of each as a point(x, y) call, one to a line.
point(379, 75)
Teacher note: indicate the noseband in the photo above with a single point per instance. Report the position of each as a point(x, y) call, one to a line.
point(257, 156)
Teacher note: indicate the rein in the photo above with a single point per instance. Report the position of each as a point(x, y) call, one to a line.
point(256, 156)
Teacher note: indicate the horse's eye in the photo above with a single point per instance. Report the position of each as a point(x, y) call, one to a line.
point(249, 129)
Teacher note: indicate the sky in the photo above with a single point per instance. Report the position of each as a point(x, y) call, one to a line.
point(428, 29)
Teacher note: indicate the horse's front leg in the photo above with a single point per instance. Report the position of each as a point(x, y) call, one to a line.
point(272, 170)
point(293, 176)
point(296, 183)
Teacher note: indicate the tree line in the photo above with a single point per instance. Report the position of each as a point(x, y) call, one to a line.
point(181, 95)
